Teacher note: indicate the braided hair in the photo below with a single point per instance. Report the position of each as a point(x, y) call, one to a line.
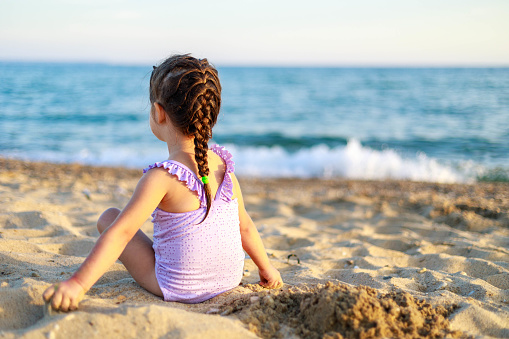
point(189, 91)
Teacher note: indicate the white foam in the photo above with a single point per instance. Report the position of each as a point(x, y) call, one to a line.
point(351, 161)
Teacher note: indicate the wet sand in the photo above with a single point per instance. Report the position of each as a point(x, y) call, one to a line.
point(359, 259)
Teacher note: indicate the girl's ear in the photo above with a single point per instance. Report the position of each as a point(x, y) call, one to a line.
point(160, 114)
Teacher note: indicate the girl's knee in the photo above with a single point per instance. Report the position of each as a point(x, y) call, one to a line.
point(107, 218)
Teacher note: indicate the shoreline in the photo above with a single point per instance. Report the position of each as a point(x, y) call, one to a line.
point(444, 243)
point(11, 164)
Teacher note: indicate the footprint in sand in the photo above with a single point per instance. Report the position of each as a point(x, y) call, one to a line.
point(286, 243)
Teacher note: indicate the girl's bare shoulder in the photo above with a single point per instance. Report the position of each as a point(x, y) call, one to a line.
point(178, 197)
point(162, 176)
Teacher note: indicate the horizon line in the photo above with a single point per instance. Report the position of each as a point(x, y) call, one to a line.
point(268, 65)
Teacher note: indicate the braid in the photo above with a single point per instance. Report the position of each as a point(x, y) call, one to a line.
point(201, 138)
point(189, 91)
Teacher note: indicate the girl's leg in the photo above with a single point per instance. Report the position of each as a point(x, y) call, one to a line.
point(138, 256)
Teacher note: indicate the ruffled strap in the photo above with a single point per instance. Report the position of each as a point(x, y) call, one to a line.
point(226, 156)
point(183, 174)
point(226, 193)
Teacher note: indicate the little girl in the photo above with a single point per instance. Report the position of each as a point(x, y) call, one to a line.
point(200, 224)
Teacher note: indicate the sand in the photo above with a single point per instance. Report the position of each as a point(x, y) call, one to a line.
point(360, 259)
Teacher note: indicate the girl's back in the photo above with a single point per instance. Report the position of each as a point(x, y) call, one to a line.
point(198, 258)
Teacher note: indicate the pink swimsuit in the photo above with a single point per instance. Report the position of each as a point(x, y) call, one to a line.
point(197, 261)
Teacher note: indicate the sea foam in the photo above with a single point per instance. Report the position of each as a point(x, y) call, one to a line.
point(352, 161)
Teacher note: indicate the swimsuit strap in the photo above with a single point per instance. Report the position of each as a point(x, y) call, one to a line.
point(225, 190)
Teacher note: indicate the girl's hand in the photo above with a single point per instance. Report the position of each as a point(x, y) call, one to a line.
point(270, 278)
point(65, 296)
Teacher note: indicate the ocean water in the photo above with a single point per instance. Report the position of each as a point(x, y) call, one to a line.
point(425, 124)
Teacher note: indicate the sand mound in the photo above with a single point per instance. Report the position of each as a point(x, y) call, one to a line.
point(18, 308)
point(339, 311)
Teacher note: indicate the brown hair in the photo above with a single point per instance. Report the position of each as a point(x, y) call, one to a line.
point(189, 91)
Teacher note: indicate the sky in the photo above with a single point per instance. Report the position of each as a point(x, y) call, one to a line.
point(261, 32)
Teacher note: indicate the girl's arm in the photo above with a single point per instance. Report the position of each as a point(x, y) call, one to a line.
point(253, 245)
point(148, 194)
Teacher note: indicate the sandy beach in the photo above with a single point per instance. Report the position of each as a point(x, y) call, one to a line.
point(359, 259)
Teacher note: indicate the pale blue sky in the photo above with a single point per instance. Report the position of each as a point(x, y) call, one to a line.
point(236, 32)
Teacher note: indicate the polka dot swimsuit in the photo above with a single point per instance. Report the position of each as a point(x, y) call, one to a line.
point(197, 261)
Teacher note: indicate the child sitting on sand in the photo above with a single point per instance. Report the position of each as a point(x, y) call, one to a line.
point(200, 224)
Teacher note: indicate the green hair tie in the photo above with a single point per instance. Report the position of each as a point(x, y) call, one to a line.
point(205, 180)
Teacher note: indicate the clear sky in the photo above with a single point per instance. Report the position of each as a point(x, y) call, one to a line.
point(261, 32)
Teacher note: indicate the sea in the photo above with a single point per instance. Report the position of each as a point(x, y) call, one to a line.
point(447, 125)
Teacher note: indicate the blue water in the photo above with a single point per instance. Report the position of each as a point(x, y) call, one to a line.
point(436, 124)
